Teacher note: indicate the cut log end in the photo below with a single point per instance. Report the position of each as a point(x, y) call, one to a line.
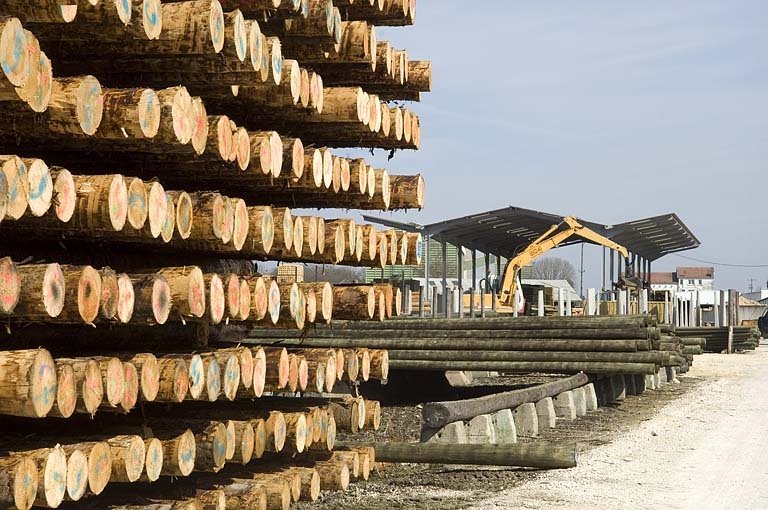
point(153, 460)
point(137, 203)
point(99, 467)
point(161, 300)
point(66, 393)
point(157, 208)
point(216, 298)
point(126, 298)
point(184, 215)
point(89, 294)
point(10, 286)
point(77, 475)
point(53, 290)
point(113, 375)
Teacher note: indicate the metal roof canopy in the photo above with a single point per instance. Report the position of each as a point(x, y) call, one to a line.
point(507, 231)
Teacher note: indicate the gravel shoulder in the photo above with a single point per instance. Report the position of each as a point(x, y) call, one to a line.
point(706, 450)
point(697, 444)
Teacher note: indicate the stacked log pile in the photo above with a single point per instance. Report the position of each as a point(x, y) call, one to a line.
point(152, 150)
point(597, 345)
point(715, 339)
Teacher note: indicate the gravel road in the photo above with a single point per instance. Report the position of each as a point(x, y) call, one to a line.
point(707, 450)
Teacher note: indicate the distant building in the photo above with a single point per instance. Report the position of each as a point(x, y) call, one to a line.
point(685, 279)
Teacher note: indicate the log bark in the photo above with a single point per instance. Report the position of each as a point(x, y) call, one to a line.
point(334, 475)
point(27, 383)
point(129, 113)
point(113, 379)
point(213, 374)
point(179, 454)
point(66, 392)
point(459, 342)
point(82, 296)
point(558, 367)
point(153, 299)
point(89, 388)
point(518, 455)
point(633, 322)
point(128, 458)
point(654, 357)
point(187, 286)
point(174, 379)
point(354, 302)
point(98, 469)
point(18, 482)
point(229, 368)
point(51, 467)
point(42, 292)
point(243, 442)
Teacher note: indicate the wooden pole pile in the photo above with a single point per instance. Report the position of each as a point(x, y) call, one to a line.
point(166, 137)
point(716, 339)
point(605, 345)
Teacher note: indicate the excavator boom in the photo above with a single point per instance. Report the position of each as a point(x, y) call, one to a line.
point(550, 239)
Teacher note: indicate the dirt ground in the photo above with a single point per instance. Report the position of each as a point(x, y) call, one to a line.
point(457, 487)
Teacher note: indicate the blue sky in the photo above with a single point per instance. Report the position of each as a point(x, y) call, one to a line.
point(610, 111)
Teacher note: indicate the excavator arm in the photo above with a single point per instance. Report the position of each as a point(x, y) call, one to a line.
point(548, 240)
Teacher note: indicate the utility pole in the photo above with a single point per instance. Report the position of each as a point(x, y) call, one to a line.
point(581, 273)
point(751, 284)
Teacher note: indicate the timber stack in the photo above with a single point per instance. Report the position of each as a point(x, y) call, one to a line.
point(715, 339)
point(622, 345)
point(154, 150)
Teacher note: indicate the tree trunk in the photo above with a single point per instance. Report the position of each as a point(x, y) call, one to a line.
point(153, 299)
point(42, 292)
point(518, 455)
point(18, 482)
point(51, 465)
point(179, 454)
point(354, 302)
point(128, 458)
point(562, 367)
point(27, 383)
point(174, 379)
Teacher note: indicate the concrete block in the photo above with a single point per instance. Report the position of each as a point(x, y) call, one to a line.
point(458, 378)
point(629, 384)
point(564, 406)
point(545, 412)
point(504, 425)
point(639, 384)
point(662, 375)
point(579, 401)
point(526, 420)
point(618, 387)
point(453, 433)
point(480, 430)
point(590, 397)
point(650, 382)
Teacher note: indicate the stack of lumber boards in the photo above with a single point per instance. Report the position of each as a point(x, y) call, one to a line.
point(598, 345)
point(152, 150)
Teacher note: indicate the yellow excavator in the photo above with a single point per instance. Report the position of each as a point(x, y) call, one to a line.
point(552, 238)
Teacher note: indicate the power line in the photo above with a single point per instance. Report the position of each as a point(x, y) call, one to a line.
point(721, 263)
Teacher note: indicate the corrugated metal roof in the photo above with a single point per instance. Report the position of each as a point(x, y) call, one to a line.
point(507, 231)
